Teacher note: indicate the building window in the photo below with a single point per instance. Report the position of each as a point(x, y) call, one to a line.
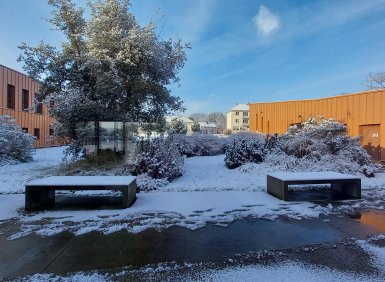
point(24, 100)
point(51, 131)
point(38, 106)
point(237, 113)
point(246, 120)
point(24, 129)
point(36, 133)
point(10, 96)
point(236, 120)
point(246, 114)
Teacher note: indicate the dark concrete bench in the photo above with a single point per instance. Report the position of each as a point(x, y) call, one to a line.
point(277, 183)
point(40, 193)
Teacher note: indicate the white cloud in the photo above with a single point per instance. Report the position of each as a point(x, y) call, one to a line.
point(266, 22)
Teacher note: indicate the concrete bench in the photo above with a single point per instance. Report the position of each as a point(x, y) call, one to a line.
point(40, 193)
point(277, 183)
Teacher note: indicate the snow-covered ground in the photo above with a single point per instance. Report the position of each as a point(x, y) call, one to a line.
point(13, 177)
point(207, 192)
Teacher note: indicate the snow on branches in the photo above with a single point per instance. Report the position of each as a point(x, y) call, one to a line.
point(324, 145)
point(200, 144)
point(108, 68)
point(15, 144)
point(161, 158)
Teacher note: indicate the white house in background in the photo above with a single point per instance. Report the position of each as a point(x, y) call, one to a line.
point(187, 122)
point(237, 119)
point(208, 128)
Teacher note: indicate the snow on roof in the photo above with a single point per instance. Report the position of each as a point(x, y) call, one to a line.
point(206, 124)
point(184, 119)
point(240, 107)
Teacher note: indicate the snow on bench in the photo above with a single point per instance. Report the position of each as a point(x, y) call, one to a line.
point(278, 182)
point(40, 193)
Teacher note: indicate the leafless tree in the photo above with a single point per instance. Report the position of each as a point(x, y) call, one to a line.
point(376, 80)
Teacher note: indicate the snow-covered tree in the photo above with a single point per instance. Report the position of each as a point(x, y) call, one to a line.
point(15, 144)
point(195, 127)
point(108, 68)
point(176, 126)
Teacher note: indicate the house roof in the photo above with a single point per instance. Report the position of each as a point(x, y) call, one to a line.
point(205, 124)
point(240, 107)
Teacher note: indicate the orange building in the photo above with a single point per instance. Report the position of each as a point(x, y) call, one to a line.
point(363, 113)
point(17, 92)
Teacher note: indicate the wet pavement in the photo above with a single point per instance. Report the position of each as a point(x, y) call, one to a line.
point(65, 252)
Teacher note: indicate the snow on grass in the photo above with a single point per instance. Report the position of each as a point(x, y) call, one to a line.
point(13, 177)
point(210, 174)
point(77, 277)
point(163, 209)
point(376, 253)
point(287, 271)
point(207, 192)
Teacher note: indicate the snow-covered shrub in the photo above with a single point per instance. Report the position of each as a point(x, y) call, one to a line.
point(246, 135)
point(244, 151)
point(15, 144)
point(324, 145)
point(146, 183)
point(160, 158)
point(200, 144)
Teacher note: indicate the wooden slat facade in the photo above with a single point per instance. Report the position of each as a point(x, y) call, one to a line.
point(26, 119)
point(355, 110)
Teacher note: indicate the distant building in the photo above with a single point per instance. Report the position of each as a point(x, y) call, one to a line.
point(363, 113)
point(187, 122)
point(238, 118)
point(208, 127)
point(17, 93)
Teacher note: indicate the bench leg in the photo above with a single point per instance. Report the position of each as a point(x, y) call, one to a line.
point(351, 189)
point(39, 198)
point(129, 195)
point(277, 188)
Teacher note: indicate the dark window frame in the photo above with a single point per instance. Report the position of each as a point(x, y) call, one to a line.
point(24, 100)
point(38, 106)
point(36, 133)
point(11, 96)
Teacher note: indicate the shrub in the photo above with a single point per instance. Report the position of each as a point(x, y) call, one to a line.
point(235, 137)
point(15, 144)
point(160, 158)
point(200, 144)
point(244, 151)
point(324, 145)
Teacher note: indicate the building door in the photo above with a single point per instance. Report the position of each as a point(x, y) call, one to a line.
point(371, 140)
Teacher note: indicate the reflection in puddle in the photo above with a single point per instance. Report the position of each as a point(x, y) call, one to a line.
point(373, 218)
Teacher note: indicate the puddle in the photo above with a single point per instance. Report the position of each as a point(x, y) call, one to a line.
point(209, 244)
point(373, 218)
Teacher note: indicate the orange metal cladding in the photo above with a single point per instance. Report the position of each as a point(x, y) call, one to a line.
point(26, 119)
point(355, 110)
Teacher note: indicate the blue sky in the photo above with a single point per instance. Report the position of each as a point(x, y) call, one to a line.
point(243, 51)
